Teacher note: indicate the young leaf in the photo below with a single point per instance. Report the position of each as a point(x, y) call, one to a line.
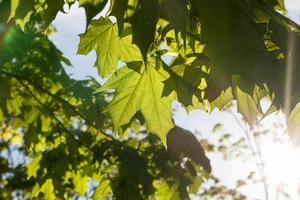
point(48, 190)
point(129, 85)
point(33, 166)
point(166, 191)
point(246, 106)
point(13, 8)
point(80, 183)
point(102, 36)
point(129, 52)
point(102, 190)
point(222, 100)
point(140, 91)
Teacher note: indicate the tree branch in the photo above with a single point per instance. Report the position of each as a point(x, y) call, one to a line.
point(21, 78)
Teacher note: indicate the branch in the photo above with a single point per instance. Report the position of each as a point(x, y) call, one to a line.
point(256, 150)
point(279, 18)
point(52, 114)
point(20, 78)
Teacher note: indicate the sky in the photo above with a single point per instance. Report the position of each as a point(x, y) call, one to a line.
point(70, 25)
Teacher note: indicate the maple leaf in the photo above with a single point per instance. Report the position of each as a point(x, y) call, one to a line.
point(141, 92)
point(102, 36)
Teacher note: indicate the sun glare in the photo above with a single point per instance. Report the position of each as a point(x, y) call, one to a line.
point(281, 159)
point(282, 163)
point(282, 172)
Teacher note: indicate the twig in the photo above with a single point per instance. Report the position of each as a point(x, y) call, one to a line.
point(52, 114)
point(20, 78)
point(255, 148)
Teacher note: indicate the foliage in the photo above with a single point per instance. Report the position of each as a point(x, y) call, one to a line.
point(73, 135)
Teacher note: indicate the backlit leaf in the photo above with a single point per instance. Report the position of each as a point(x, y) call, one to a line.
point(102, 36)
point(166, 192)
point(102, 190)
point(80, 183)
point(33, 166)
point(246, 106)
point(140, 92)
point(48, 190)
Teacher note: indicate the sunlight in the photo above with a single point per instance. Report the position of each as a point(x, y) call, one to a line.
point(282, 163)
point(281, 158)
point(282, 172)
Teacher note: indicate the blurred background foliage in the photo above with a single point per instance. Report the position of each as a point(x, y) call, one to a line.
point(60, 140)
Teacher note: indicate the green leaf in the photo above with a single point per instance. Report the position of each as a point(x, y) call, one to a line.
point(246, 106)
point(185, 87)
point(293, 125)
point(119, 8)
point(102, 36)
point(183, 91)
point(144, 23)
point(175, 11)
point(23, 21)
point(48, 9)
point(80, 184)
point(14, 4)
point(234, 46)
point(129, 85)
point(1, 115)
point(32, 115)
point(35, 191)
point(278, 4)
point(129, 52)
point(155, 108)
point(134, 92)
point(46, 123)
point(33, 166)
point(48, 190)
point(92, 8)
point(167, 192)
point(91, 2)
point(102, 190)
point(222, 100)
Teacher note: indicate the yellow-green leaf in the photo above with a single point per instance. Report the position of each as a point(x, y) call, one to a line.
point(33, 166)
point(13, 8)
point(246, 106)
point(102, 36)
point(48, 190)
point(80, 184)
point(102, 190)
point(141, 92)
point(293, 125)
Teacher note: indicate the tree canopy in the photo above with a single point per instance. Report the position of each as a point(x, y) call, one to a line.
point(118, 140)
